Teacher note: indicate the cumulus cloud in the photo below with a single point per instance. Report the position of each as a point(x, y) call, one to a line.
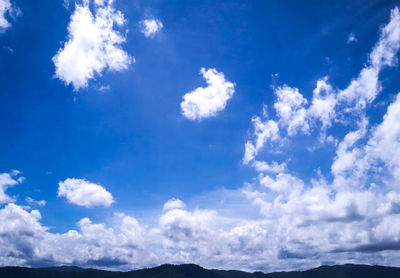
point(93, 45)
point(174, 204)
point(207, 102)
point(5, 6)
point(84, 193)
point(273, 167)
point(290, 108)
point(296, 115)
point(263, 131)
point(150, 27)
point(345, 217)
point(8, 180)
point(364, 89)
point(7, 10)
point(349, 213)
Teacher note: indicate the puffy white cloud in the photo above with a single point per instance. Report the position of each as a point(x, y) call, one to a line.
point(93, 45)
point(273, 167)
point(83, 193)
point(323, 104)
point(174, 204)
point(5, 6)
point(384, 146)
point(8, 180)
point(350, 213)
point(329, 104)
point(263, 131)
point(8, 10)
point(365, 87)
point(290, 109)
point(150, 27)
point(207, 102)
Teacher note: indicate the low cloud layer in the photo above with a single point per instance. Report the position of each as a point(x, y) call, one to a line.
point(93, 44)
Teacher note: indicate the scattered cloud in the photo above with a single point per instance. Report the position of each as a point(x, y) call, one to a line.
point(351, 38)
point(366, 86)
point(290, 109)
point(273, 167)
point(34, 202)
point(350, 213)
point(7, 9)
point(8, 180)
point(105, 88)
point(207, 102)
point(341, 215)
point(83, 193)
point(174, 204)
point(150, 27)
point(263, 131)
point(93, 45)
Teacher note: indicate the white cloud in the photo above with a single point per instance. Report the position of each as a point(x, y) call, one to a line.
point(290, 109)
point(8, 180)
point(323, 104)
point(329, 104)
point(32, 201)
point(150, 27)
point(353, 216)
point(263, 132)
point(93, 45)
point(174, 204)
point(273, 167)
point(83, 193)
point(348, 215)
point(10, 10)
point(5, 6)
point(351, 38)
point(365, 87)
point(207, 102)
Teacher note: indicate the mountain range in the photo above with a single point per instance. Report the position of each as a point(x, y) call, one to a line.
point(195, 271)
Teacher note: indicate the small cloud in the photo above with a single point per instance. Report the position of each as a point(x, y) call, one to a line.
point(351, 38)
point(8, 180)
point(149, 27)
point(105, 88)
point(32, 201)
point(174, 204)
point(84, 193)
point(207, 102)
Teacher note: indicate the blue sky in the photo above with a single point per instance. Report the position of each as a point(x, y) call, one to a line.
point(149, 127)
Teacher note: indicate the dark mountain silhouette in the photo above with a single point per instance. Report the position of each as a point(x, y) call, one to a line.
point(195, 271)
